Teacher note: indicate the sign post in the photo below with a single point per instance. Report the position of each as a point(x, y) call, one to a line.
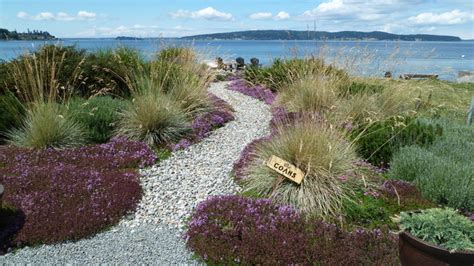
point(286, 169)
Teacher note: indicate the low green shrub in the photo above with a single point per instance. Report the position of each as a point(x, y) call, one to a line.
point(444, 171)
point(46, 125)
point(379, 140)
point(376, 208)
point(443, 227)
point(99, 116)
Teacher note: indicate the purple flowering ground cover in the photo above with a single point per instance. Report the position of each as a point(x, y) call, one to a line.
point(203, 125)
point(233, 229)
point(70, 194)
point(258, 92)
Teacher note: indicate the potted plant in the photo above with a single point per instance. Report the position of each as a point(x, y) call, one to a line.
point(436, 237)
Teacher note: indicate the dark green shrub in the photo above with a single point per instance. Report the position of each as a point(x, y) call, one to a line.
point(98, 115)
point(443, 227)
point(379, 140)
point(11, 113)
point(444, 171)
point(110, 72)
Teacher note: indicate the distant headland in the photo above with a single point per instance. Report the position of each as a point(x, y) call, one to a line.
point(29, 35)
point(127, 38)
point(320, 35)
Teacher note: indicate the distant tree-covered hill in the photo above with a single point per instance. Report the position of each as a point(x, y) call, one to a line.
point(319, 35)
point(30, 35)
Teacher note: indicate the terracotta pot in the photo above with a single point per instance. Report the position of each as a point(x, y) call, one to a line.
point(414, 251)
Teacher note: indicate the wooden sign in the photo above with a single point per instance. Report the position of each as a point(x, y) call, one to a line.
point(286, 169)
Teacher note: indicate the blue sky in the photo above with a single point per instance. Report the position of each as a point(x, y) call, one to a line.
point(147, 18)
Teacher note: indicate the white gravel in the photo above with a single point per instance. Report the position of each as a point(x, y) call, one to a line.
point(172, 189)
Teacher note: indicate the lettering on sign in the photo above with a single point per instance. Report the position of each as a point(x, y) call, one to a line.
point(286, 169)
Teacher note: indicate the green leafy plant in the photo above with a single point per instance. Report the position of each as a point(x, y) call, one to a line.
point(47, 125)
point(376, 209)
point(322, 153)
point(99, 116)
point(443, 227)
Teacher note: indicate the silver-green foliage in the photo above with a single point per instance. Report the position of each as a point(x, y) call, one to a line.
point(442, 227)
point(47, 125)
point(322, 153)
point(444, 171)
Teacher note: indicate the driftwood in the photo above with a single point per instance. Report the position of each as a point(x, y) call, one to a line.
point(419, 76)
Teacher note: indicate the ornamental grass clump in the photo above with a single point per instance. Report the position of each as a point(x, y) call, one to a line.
point(320, 152)
point(47, 125)
point(236, 230)
point(445, 228)
point(152, 117)
point(314, 94)
point(48, 75)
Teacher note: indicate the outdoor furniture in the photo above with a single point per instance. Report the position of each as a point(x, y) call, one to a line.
point(254, 62)
point(240, 63)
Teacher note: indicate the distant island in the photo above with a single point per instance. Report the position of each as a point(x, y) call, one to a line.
point(320, 35)
point(128, 38)
point(29, 35)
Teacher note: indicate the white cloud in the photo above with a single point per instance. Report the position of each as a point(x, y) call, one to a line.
point(86, 15)
point(447, 18)
point(282, 15)
point(60, 16)
point(261, 15)
point(208, 13)
point(22, 14)
point(345, 10)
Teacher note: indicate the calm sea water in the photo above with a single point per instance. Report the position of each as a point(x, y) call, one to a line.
point(360, 57)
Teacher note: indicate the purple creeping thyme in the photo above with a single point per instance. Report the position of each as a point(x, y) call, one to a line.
point(258, 92)
point(203, 125)
point(226, 229)
point(73, 193)
point(246, 156)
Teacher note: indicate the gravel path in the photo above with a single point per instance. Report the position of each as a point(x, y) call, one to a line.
point(172, 189)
